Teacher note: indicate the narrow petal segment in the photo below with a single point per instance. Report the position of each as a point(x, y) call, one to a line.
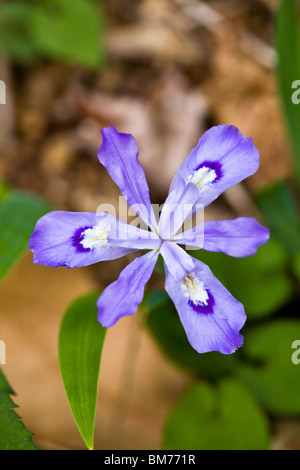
point(119, 154)
point(123, 296)
point(76, 239)
point(211, 317)
point(177, 209)
point(178, 261)
point(222, 158)
point(239, 237)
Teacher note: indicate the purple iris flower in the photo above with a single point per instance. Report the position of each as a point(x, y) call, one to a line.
point(211, 317)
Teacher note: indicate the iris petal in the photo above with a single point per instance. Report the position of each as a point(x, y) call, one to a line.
point(210, 315)
point(119, 154)
point(76, 239)
point(239, 237)
point(123, 296)
point(222, 158)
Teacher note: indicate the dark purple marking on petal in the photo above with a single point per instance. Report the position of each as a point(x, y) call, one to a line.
point(201, 308)
point(216, 166)
point(77, 239)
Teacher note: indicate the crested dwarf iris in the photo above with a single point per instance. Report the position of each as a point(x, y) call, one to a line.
point(211, 317)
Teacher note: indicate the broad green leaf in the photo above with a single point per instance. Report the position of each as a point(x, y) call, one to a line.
point(15, 30)
point(13, 434)
point(278, 204)
point(163, 323)
point(81, 340)
point(296, 265)
point(288, 70)
point(60, 29)
point(269, 370)
point(4, 191)
point(222, 417)
point(70, 31)
point(19, 213)
point(261, 282)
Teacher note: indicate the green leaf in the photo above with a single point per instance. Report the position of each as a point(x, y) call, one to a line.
point(163, 323)
point(13, 434)
point(225, 417)
point(81, 340)
point(278, 204)
point(19, 213)
point(15, 31)
point(296, 265)
point(288, 70)
point(269, 370)
point(70, 31)
point(261, 282)
point(4, 191)
point(60, 29)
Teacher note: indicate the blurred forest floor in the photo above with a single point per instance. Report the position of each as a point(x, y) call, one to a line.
point(173, 69)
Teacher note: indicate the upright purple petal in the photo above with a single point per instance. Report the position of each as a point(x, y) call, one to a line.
point(76, 239)
point(239, 237)
point(211, 317)
point(177, 208)
point(119, 154)
point(123, 296)
point(222, 158)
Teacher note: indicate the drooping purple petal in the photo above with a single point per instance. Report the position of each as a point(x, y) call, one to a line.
point(177, 208)
point(76, 239)
point(210, 315)
point(178, 261)
point(222, 158)
point(239, 237)
point(123, 296)
point(119, 154)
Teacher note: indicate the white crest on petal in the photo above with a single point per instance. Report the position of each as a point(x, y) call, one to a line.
point(203, 177)
point(96, 236)
point(194, 290)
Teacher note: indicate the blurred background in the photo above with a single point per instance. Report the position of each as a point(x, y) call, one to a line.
point(164, 71)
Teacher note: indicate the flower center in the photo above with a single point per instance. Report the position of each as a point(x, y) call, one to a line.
point(199, 298)
point(95, 236)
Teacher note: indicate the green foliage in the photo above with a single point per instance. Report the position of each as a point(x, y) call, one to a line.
point(269, 370)
point(15, 30)
point(13, 434)
point(80, 345)
point(223, 417)
point(4, 191)
point(65, 30)
point(288, 70)
point(278, 203)
point(296, 265)
point(69, 31)
point(19, 213)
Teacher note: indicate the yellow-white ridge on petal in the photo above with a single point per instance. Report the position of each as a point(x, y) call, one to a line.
point(203, 177)
point(194, 290)
point(96, 236)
